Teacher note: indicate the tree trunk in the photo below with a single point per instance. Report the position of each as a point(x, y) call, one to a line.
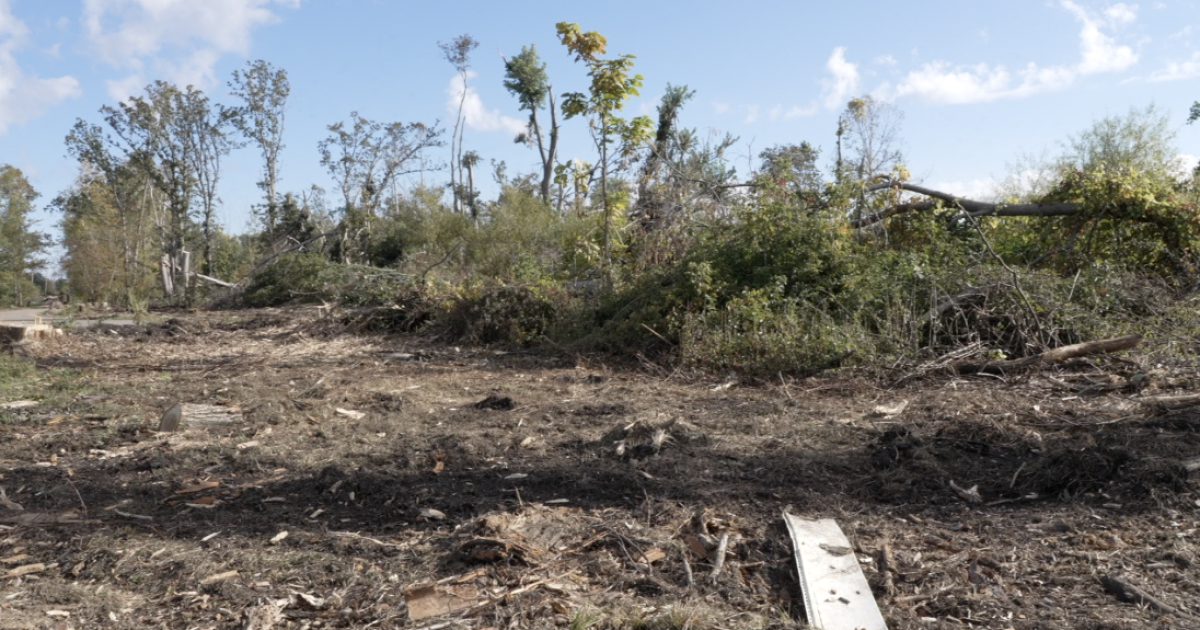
point(969, 206)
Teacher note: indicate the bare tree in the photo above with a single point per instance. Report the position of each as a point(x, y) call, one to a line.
point(365, 158)
point(458, 53)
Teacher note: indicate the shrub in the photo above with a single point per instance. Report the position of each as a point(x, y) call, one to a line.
point(507, 314)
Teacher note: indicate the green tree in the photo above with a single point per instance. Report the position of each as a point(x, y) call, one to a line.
point(263, 90)
point(611, 85)
point(793, 166)
point(525, 76)
point(152, 135)
point(20, 245)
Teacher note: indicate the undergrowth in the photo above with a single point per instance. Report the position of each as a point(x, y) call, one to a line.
point(774, 288)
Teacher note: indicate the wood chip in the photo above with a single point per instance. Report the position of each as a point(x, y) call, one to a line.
point(219, 577)
point(200, 487)
point(651, 556)
point(432, 601)
point(432, 514)
point(25, 569)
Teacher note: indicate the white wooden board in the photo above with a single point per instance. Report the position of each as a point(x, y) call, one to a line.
point(836, 594)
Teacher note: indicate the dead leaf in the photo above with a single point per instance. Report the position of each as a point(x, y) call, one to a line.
point(14, 559)
point(278, 538)
point(205, 501)
point(19, 404)
point(696, 546)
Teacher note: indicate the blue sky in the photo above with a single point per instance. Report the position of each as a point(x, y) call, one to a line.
point(979, 83)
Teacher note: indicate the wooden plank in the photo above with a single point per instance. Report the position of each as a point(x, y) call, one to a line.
point(836, 593)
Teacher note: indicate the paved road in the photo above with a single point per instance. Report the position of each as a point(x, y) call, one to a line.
point(20, 315)
point(27, 315)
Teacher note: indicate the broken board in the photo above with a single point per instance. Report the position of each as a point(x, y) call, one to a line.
point(836, 593)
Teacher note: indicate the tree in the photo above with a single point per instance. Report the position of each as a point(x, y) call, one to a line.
point(263, 90)
point(205, 140)
point(20, 245)
point(611, 85)
point(793, 166)
point(470, 160)
point(108, 227)
point(869, 131)
point(458, 53)
point(151, 135)
point(366, 158)
point(1117, 198)
point(525, 76)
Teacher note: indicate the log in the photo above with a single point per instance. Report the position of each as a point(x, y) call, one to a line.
point(15, 333)
point(969, 206)
point(192, 416)
point(1052, 356)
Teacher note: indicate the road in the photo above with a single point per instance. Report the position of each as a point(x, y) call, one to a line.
point(27, 316)
point(21, 315)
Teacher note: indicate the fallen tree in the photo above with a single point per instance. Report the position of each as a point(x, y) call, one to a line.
point(1051, 356)
point(971, 207)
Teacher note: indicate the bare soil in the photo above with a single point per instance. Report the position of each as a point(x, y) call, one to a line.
point(394, 482)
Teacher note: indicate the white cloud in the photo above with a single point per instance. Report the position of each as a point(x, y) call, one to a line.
point(940, 82)
point(751, 114)
point(24, 97)
point(721, 108)
point(885, 60)
point(800, 112)
point(844, 80)
point(1121, 13)
point(1176, 70)
point(176, 40)
point(474, 113)
point(1100, 51)
point(980, 189)
point(943, 82)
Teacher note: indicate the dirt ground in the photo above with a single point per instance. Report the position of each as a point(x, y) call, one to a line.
point(371, 481)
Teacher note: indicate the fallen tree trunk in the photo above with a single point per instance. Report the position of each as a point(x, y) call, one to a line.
point(1051, 356)
point(969, 206)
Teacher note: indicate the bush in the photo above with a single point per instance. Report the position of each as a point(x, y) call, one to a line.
point(514, 315)
point(309, 278)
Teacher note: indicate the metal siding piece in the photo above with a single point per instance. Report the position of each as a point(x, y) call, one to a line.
point(836, 593)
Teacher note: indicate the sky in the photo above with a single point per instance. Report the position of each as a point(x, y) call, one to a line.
point(980, 84)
